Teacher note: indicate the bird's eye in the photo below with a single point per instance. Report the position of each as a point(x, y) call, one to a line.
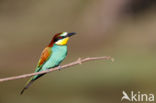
point(60, 37)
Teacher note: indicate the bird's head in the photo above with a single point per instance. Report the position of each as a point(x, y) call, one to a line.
point(61, 38)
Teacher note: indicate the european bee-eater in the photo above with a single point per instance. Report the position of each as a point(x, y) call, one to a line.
point(51, 56)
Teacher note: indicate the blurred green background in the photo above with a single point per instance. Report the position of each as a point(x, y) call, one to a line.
point(123, 29)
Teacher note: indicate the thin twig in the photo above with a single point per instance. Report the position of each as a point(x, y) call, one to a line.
point(79, 61)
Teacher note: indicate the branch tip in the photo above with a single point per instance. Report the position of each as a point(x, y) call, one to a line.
point(112, 59)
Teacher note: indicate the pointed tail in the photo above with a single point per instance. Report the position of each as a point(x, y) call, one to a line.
point(29, 82)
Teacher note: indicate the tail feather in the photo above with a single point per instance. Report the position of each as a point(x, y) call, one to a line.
point(27, 85)
point(29, 82)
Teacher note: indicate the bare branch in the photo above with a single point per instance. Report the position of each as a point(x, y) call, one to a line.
point(79, 61)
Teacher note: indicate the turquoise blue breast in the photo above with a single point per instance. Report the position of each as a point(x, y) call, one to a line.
point(58, 55)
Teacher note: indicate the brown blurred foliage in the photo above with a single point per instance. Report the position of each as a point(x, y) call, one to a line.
point(124, 29)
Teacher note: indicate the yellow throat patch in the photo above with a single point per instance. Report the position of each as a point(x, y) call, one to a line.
point(63, 41)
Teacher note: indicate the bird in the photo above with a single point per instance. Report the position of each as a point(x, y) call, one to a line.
point(51, 56)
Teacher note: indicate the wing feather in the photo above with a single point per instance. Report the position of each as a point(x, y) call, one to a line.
point(44, 56)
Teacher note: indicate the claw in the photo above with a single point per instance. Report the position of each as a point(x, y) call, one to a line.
point(59, 67)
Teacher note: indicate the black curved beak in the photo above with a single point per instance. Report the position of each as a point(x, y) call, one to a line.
point(71, 34)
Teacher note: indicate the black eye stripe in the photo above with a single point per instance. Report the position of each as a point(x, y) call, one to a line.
point(62, 37)
point(59, 38)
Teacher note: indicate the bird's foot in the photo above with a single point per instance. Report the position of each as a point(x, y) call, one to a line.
point(59, 68)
